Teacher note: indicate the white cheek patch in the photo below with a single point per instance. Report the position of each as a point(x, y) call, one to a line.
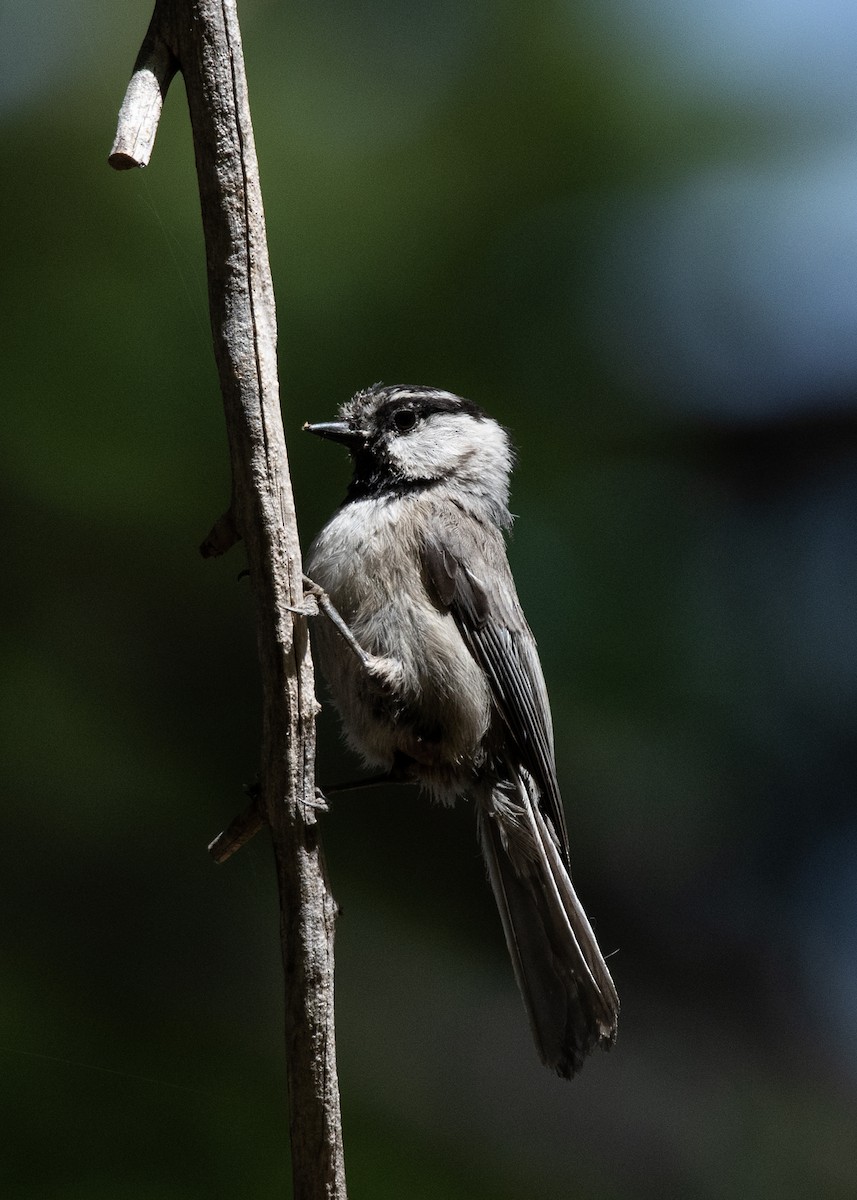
point(495, 455)
point(451, 443)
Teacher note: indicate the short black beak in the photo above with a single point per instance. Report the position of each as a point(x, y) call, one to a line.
point(338, 431)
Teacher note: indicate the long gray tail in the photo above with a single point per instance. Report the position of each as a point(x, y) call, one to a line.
point(569, 995)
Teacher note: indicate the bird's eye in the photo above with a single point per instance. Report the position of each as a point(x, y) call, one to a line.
point(404, 419)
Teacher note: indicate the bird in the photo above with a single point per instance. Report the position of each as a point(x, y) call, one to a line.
point(446, 689)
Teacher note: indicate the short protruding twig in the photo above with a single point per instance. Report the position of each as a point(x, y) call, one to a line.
point(144, 99)
point(221, 537)
point(245, 826)
point(320, 804)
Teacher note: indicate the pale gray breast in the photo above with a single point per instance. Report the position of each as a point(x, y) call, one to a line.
point(368, 561)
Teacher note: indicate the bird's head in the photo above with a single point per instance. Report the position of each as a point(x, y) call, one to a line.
point(405, 437)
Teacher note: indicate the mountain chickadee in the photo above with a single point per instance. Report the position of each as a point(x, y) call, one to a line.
point(450, 692)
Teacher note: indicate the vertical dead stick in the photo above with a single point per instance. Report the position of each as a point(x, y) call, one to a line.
point(201, 38)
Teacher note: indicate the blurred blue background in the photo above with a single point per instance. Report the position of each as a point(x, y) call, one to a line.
point(627, 229)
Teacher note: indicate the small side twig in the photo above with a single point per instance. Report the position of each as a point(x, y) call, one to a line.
point(222, 536)
point(238, 833)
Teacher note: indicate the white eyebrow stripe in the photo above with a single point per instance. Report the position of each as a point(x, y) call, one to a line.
point(421, 394)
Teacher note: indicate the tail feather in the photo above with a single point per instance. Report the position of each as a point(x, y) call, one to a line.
point(566, 986)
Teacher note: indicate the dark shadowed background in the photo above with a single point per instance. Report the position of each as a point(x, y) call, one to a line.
point(627, 229)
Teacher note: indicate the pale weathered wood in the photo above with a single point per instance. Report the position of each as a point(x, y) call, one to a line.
point(201, 38)
point(144, 99)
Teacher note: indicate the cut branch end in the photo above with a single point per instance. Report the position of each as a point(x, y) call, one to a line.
point(144, 98)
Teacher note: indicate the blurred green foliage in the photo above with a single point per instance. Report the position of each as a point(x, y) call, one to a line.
point(445, 185)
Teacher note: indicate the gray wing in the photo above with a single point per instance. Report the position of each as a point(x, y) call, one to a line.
point(567, 989)
point(468, 573)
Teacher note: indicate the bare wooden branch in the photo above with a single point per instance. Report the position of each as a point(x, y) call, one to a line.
point(201, 38)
